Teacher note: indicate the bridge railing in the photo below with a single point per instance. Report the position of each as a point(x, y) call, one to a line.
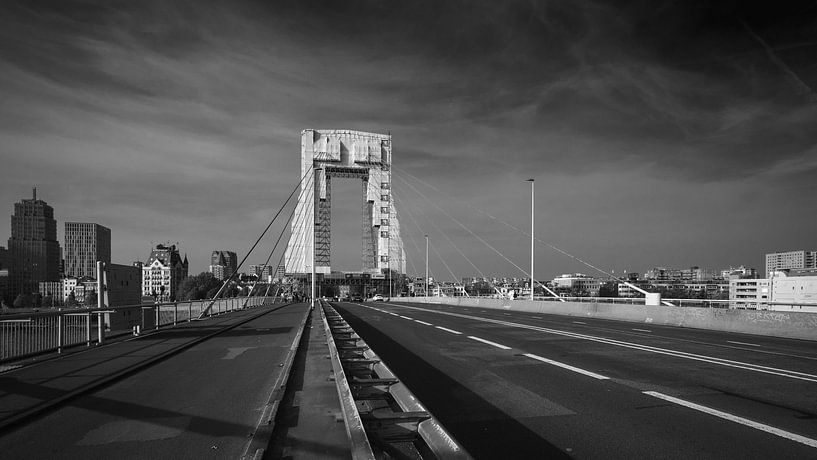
point(28, 334)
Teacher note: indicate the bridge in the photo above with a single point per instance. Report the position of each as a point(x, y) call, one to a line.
point(421, 376)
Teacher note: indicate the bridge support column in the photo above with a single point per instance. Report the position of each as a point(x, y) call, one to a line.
point(652, 299)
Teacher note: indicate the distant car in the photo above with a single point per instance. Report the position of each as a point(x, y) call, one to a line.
point(376, 298)
point(357, 298)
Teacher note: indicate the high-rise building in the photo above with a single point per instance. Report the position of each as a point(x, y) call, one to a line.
point(163, 272)
point(33, 247)
point(791, 259)
point(85, 244)
point(4, 273)
point(223, 264)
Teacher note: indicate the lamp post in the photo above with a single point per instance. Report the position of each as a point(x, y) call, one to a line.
point(531, 237)
point(426, 291)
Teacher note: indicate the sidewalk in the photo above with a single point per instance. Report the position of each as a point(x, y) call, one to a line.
point(39, 387)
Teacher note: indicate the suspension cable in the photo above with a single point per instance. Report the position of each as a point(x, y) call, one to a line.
point(533, 281)
point(258, 240)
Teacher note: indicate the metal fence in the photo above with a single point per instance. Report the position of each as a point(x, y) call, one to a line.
point(29, 334)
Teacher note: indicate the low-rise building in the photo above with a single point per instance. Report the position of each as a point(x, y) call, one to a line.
point(794, 290)
point(576, 284)
point(749, 293)
point(124, 285)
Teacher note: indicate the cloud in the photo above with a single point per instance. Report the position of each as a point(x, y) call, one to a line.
point(173, 110)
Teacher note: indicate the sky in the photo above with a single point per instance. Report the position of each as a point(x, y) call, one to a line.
point(659, 134)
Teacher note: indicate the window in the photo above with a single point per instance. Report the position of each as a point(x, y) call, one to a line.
point(384, 210)
point(384, 222)
point(385, 185)
point(384, 258)
point(384, 198)
point(384, 234)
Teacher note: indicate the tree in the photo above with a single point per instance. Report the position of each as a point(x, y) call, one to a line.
point(23, 301)
point(608, 289)
point(201, 286)
point(90, 298)
point(71, 301)
point(48, 300)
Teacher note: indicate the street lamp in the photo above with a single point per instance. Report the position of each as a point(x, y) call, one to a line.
point(426, 291)
point(531, 237)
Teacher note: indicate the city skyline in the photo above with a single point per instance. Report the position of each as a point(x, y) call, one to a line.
point(675, 135)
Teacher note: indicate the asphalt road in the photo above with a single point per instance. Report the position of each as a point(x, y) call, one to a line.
point(519, 385)
point(202, 403)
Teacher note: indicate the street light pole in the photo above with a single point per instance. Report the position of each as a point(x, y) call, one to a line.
point(531, 238)
point(426, 291)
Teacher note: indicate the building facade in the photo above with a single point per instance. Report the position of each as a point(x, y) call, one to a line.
point(163, 272)
point(33, 247)
point(576, 284)
point(223, 264)
point(85, 244)
point(749, 293)
point(794, 290)
point(124, 285)
point(790, 259)
point(4, 274)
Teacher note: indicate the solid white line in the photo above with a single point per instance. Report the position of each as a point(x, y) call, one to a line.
point(498, 345)
point(393, 314)
point(567, 366)
point(641, 330)
point(734, 418)
point(448, 330)
point(423, 322)
point(578, 322)
point(405, 317)
point(744, 343)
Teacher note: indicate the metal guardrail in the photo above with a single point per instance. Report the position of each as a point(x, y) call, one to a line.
point(382, 408)
point(24, 335)
point(359, 442)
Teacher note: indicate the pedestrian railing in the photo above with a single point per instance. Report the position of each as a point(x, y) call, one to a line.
point(24, 335)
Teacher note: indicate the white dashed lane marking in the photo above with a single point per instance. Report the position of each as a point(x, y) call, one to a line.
point(448, 330)
point(493, 344)
point(422, 322)
point(567, 366)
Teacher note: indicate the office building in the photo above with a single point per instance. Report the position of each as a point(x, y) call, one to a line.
point(85, 244)
point(4, 274)
point(33, 247)
point(223, 264)
point(790, 259)
point(749, 293)
point(163, 272)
